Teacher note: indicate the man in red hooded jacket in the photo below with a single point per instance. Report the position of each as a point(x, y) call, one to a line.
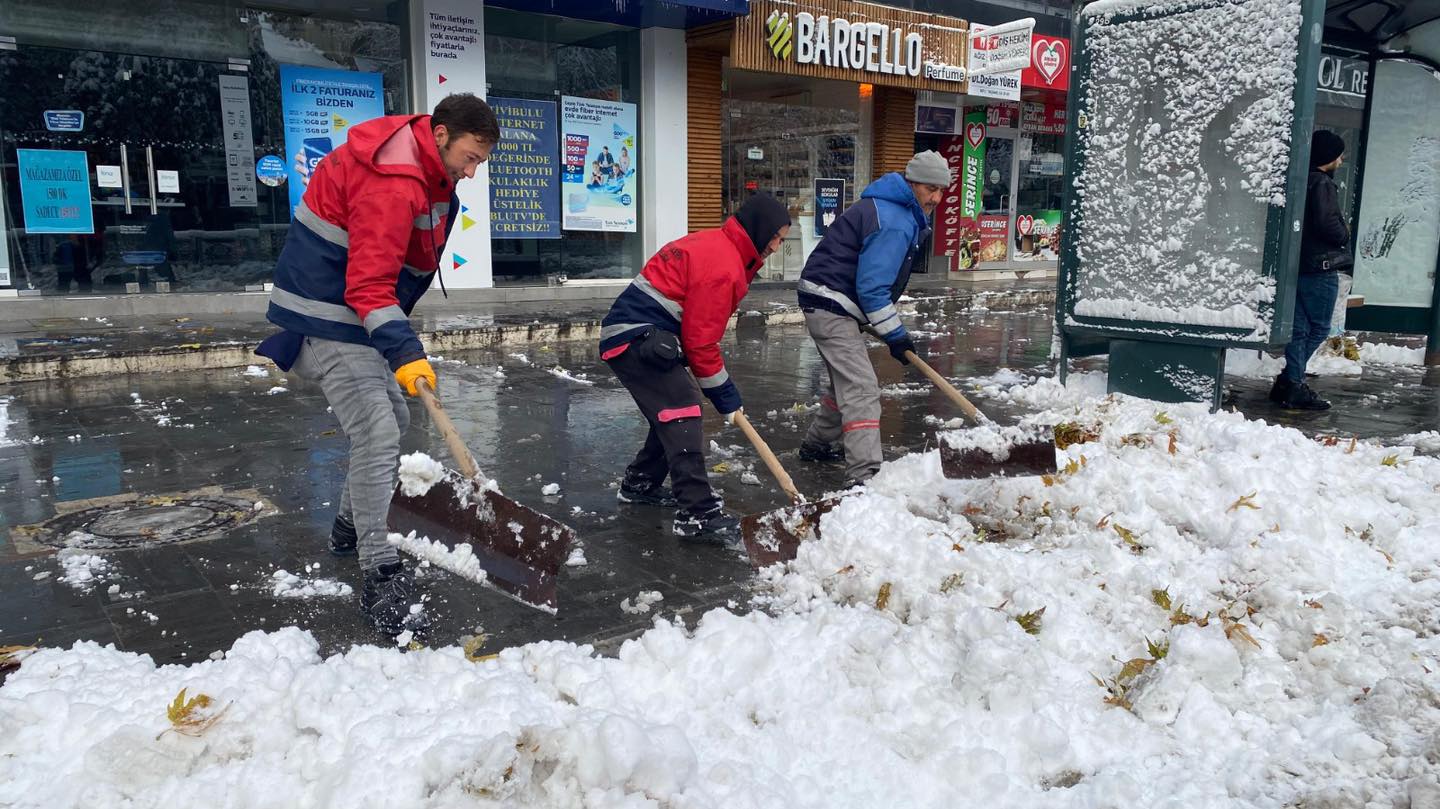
point(363, 245)
point(674, 313)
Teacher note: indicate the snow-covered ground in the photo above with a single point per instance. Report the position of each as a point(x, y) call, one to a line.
point(1197, 611)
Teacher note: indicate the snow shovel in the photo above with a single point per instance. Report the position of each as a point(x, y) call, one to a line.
point(774, 536)
point(519, 549)
point(1014, 453)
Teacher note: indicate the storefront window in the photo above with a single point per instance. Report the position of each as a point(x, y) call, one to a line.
point(538, 57)
point(780, 136)
point(148, 123)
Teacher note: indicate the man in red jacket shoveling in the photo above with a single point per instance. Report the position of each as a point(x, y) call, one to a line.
point(673, 314)
point(363, 246)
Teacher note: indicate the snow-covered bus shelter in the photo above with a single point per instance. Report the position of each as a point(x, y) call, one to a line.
point(1188, 149)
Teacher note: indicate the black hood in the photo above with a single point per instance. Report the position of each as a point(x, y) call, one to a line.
point(761, 217)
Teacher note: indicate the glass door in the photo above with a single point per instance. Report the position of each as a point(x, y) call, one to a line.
point(155, 209)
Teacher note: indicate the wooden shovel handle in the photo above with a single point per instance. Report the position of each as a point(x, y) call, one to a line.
point(771, 462)
point(458, 450)
point(948, 389)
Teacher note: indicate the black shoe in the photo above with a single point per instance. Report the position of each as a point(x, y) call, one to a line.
point(821, 453)
point(657, 495)
point(1300, 397)
point(714, 526)
point(342, 537)
point(1279, 390)
point(387, 597)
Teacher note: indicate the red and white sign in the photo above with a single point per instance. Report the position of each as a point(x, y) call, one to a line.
point(952, 228)
point(1002, 115)
point(1049, 64)
point(1042, 118)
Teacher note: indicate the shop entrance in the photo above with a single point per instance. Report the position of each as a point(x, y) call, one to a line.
point(148, 133)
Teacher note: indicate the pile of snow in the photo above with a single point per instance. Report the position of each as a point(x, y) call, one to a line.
point(561, 373)
point(277, 389)
point(642, 602)
point(1197, 610)
point(1386, 354)
point(255, 371)
point(84, 570)
point(5, 421)
point(550, 489)
point(285, 584)
point(418, 472)
point(460, 560)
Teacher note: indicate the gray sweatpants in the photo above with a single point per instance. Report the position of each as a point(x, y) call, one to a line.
point(850, 395)
point(367, 400)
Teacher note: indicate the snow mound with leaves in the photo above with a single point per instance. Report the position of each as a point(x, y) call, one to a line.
point(1196, 610)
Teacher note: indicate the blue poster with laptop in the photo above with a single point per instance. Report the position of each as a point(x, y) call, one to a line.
point(55, 191)
point(601, 161)
point(320, 106)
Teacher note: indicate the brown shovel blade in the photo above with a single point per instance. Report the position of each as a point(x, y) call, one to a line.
point(520, 549)
point(775, 536)
point(1031, 457)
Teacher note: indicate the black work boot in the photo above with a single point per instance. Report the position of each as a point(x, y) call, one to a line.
point(1300, 397)
point(821, 453)
point(641, 492)
point(342, 536)
point(714, 527)
point(389, 600)
point(1279, 389)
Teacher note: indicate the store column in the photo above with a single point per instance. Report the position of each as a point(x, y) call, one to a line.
point(448, 40)
point(663, 99)
point(894, 127)
point(705, 173)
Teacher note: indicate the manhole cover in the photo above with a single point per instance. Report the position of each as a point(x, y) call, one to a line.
point(130, 522)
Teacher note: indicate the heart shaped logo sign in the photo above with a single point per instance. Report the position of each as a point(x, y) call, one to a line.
point(1025, 224)
point(974, 134)
point(1049, 58)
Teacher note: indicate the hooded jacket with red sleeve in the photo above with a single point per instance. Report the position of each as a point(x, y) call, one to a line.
point(691, 288)
point(364, 242)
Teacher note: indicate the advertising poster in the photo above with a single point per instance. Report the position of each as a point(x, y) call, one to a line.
point(829, 201)
point(955, 235)
point(937, 120)
point(1037, 236)
point(239, 139)
point(55, 191)
point(973, 166)
point(993, 230)
point(320, 106)
point(601, 159)
point(524, 171)
point(4, 250)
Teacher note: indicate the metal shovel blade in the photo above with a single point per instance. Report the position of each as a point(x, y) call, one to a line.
point(520, 549)
point(775, 536)
point(1016, 453)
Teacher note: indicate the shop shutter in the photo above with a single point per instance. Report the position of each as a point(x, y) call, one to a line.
point(894, 129)
point(704, 88)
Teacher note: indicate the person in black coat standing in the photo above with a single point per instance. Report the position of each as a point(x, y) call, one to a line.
point(1324, 252)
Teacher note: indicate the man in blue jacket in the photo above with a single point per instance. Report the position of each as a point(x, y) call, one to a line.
point(852, 279)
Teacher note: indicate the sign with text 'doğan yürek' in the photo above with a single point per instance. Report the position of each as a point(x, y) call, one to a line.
point(524, 171)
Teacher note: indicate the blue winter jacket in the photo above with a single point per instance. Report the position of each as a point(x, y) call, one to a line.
point(862, 265)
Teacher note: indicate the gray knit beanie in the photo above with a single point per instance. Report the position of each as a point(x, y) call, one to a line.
point(930, 168)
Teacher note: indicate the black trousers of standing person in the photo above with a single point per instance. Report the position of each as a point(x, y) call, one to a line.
point(653, 369)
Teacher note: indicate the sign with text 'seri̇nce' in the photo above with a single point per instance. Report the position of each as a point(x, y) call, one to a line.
point(601, 164)
point(55, 191)
point(320, 106)
point(525, 171)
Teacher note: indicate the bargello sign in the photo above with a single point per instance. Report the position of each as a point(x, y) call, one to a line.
point(859, 42)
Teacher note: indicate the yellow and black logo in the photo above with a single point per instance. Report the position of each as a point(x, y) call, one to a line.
point(780, 34)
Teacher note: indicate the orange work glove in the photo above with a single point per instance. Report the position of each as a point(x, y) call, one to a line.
point(411, 371)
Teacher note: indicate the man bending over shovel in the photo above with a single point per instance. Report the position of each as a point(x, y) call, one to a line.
point(362, 248)
point(673, 314)
point(853, 279)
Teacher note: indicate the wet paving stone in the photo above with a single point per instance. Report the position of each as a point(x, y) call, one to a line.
point(527, 427)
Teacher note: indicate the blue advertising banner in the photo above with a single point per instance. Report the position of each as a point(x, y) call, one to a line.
point(320, 106)
point(601, 162)
point(524, 171)
point(55, 191)
point(829, 199)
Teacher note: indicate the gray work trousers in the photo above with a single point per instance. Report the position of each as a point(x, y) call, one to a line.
point(365, 397)
point(850, 396)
